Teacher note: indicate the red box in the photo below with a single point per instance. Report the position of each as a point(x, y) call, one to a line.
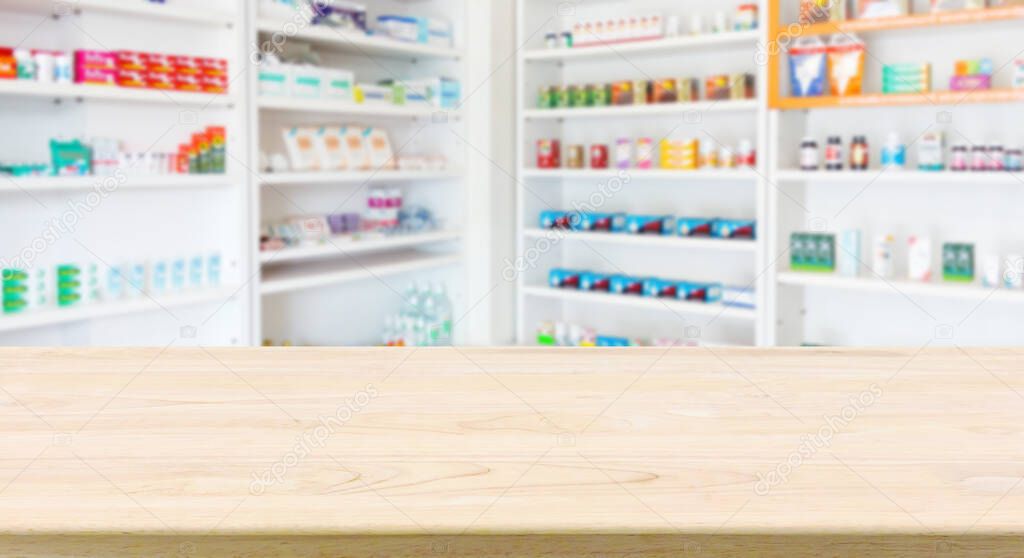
point(160, 80)
point(599, 156)
point(130, 60)
point(549, 154)
point(213, 66)
point(96, 76)
point(131, 78)
point(214, 84)
point(185, 65)
point(186, 82)
point(8, 65)
point(158, 63)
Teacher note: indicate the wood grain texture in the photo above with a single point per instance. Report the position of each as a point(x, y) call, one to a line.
point(648, 448)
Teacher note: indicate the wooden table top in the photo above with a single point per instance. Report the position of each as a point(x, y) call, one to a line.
point(500, 441)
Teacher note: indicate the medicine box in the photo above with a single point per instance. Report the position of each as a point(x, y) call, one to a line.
point(815, 252)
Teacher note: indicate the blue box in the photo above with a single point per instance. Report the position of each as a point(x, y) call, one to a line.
point(649, 224)
point(610, 341)
point(699, 292)
point(694, 226)
point(607, 222)
point(734, 228)
point(559, 219)
point(591, 281)
point(627, 285)
point(660, 288)
point(564, 278)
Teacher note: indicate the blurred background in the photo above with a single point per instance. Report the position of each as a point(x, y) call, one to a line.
point(531, 172)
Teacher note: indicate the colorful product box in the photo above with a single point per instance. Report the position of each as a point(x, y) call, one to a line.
point(185, 65)
point(187, 82)
point(96, 76)
point(213, 84)
point(650, 224)
point(814, 252)
point(610, 341)
point(694, 226)
point(700, 292)
point(627, 285)
point(131, 78)
point(213, 67)
point(130, 60)
point(559, 219)
point(160, 80)
point(159, 63)
point(734, 228)
point(8, 64)
point(660, 288)
point(958, 262)
point(605, 222)
point(564, 278)
point(591, 281)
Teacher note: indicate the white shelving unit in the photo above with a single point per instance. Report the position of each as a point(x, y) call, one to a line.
point(309, 295)
point(982, 208)
point(129, 219)
point(705, 193)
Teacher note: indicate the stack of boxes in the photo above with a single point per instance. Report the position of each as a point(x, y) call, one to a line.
point(145, 70)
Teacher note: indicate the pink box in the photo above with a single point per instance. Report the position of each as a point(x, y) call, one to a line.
point(96, 59)
point(970, 83)
point(95, 76)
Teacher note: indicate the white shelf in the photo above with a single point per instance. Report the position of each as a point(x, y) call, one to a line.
point(877, 176)
point(357, 43)
point(723, 175)
point(320, 106)
point(656, 109)
point(664, 241)
point(140, 8)
point(110, 93)
point(340, 246)
point(967, 291)
point(356, 177)
point(295, 279)
point(644, 303)
point(660, 46)
point(58, 316)
point(90, 183)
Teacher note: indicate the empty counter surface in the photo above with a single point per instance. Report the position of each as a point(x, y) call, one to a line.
point(511, 452)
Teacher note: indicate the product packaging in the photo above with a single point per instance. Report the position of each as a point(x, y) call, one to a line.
point(602, 222)
point(807, 67)
point(699, 292)
point(849, 253)
point(1014, 277)
point(734, 229)
point(845, 64)
point(330, 146)
point(627, 285)
point(358, 151)
point(300, 143)
point(549, 155)
point(990, 276)
point(590, 281)
point(919, 258)
point(958, 262)
point(930, 152)
point(650, 224)
point(564, 278)
point(883, 256)
point(815, 252)
point(694, 226)
point(379, 148)
point(881, 8)
point(563, 220)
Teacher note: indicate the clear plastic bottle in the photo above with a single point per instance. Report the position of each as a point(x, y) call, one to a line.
point(443, 311)
point(410, 302)
point(432, 327)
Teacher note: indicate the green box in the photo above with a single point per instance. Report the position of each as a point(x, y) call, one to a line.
point(814, 252)
point(958, 262)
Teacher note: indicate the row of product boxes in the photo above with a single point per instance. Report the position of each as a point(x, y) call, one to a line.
point(649, 224)
point(629, 285)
